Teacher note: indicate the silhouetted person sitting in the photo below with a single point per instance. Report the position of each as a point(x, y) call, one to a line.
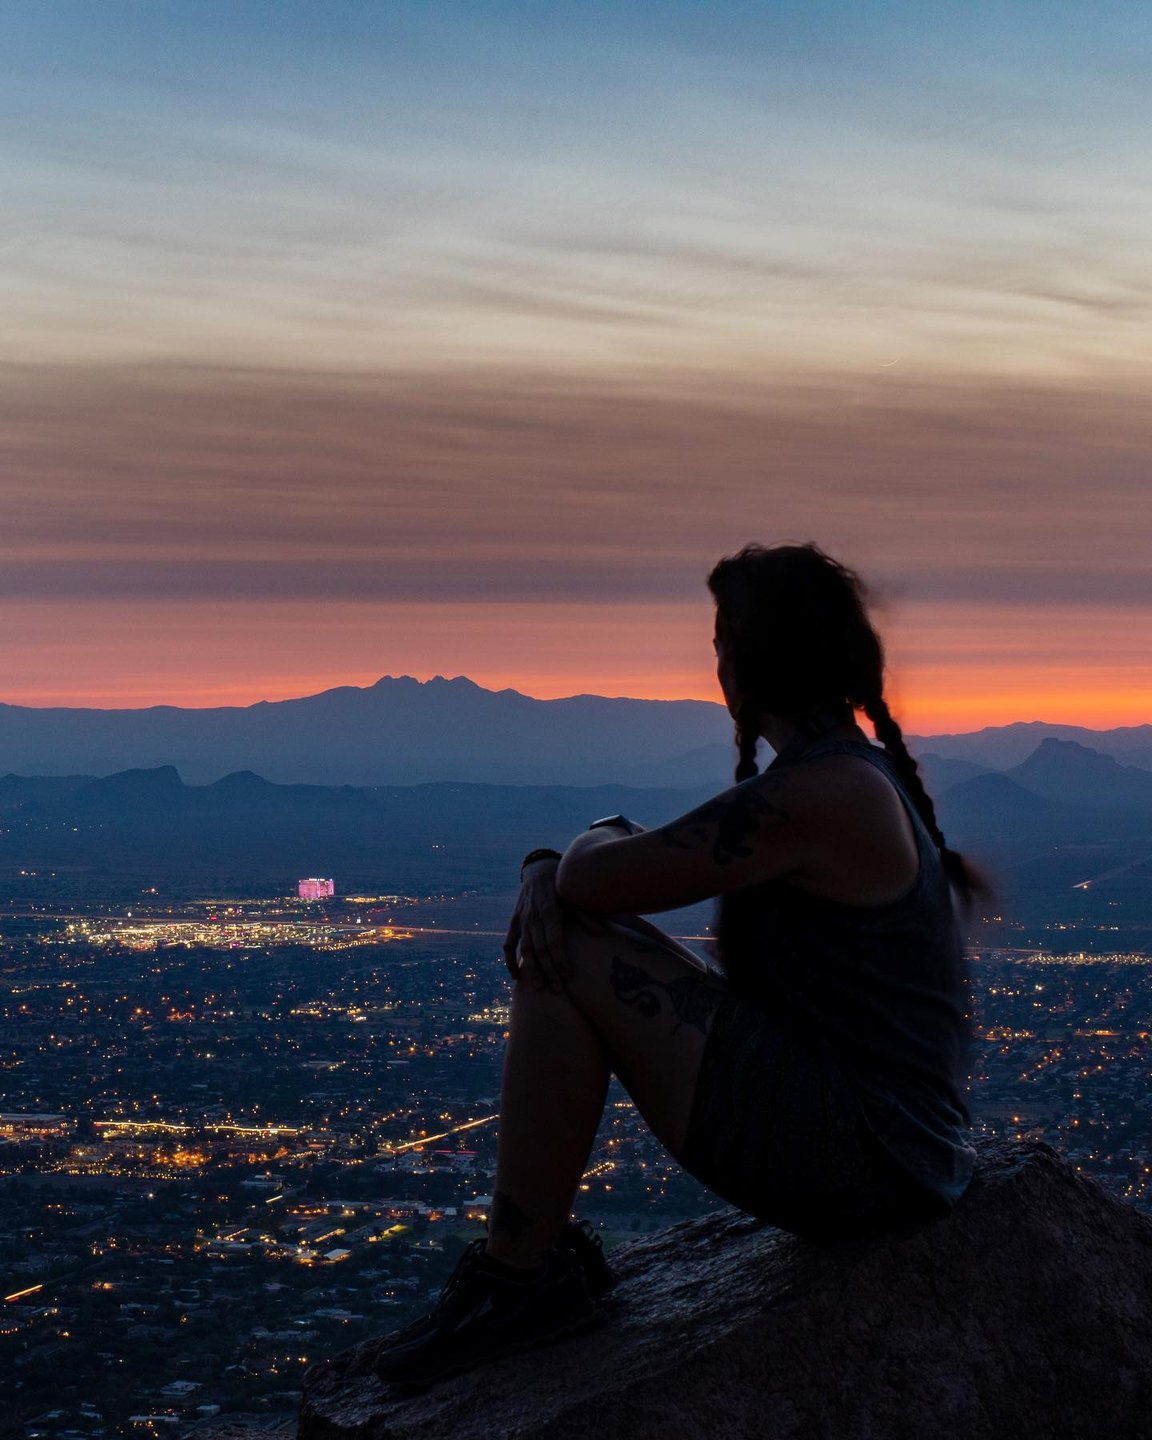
point(813, 1075)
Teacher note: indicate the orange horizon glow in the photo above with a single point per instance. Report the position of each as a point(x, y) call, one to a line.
point(920, 709)
point(952, 668)
point(475, 350)
point(1009, 589)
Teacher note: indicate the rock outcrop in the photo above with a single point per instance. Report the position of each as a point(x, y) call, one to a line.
point(1026, 1315)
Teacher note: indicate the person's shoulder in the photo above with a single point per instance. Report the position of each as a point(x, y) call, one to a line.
point(855, 836)
point(840, 783)
point(863, 765)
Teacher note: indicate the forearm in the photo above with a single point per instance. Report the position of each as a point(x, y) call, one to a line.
point(610, 830)
point(590, 839)
point(597, 834)
point(583, 845)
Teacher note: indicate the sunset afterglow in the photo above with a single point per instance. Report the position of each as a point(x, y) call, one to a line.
point(352, 340)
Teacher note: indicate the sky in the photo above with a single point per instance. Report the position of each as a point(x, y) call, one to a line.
point(348, 339)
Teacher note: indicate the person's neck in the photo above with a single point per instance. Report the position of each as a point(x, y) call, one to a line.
point(787, 732)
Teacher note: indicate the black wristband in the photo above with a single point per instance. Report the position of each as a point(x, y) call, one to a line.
point(544, 853)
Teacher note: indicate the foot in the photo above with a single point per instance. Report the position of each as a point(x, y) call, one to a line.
point(579, 1238)
point(484, 1313)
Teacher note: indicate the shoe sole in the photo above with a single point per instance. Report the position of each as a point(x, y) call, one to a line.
point(576, 1326)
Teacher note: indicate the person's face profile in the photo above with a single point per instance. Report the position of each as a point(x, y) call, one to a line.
point(724, 673)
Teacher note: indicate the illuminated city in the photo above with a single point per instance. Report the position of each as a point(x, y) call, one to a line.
point(254, 1137)
point(431, 432)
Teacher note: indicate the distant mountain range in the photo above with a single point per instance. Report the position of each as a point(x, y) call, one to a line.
point(1062, 792)
point(1065, 814)
point(401, 731)
point(999, 747)
point(398, 731)
point(118, 834)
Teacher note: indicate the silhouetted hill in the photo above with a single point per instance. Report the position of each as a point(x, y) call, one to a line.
point(147, 826)
point(401, 731)
point(1001, 746)
point(941, 773)
point(115, 835)
point(242, 783)
point(150, 826)
point(1065, 771)
point(1065, 816)
point(994, 808)
point(398, 731)
point(133, 792)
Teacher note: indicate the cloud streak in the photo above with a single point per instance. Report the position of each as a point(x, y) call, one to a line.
point(187, 482)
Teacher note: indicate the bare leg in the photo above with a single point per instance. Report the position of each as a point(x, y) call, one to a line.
point(556, 1075)
point(639, 1004)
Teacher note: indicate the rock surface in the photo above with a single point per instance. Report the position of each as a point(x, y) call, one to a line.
point(1026, 1315)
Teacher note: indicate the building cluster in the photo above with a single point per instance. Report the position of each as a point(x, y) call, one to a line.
point(218, 933)
point(315, 888)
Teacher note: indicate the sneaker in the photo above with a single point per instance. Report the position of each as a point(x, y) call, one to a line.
point(579, 1238)
point(483, 1314)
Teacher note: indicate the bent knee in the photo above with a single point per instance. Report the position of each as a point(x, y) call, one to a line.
point(648, 937)
point(599, 946)
point(590, 939)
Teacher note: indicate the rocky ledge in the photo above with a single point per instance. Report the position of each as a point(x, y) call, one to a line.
point(1026, 1315)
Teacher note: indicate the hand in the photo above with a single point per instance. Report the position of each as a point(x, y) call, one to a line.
point(534, 945)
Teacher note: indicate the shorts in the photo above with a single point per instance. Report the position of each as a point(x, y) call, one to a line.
point(778, 1131)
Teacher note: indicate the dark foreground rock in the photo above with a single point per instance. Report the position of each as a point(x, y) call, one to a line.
point(1027, 1315)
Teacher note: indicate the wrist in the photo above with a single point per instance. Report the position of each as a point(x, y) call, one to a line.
point(615, 822)
point(538, 857)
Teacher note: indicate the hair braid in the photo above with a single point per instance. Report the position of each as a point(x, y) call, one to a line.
point(890, 735)
point(794, 636)
point(747, 738)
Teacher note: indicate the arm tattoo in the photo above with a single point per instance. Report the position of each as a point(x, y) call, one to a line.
point(736, 817)
point(507, 1217)
point(693, 997)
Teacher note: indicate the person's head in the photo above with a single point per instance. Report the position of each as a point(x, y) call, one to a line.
point(793, 639)
point(792, 636)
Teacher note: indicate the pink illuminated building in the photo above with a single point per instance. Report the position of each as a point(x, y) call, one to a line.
point(314, 889)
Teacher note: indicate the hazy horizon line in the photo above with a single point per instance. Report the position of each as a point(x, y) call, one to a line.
point(524, 694)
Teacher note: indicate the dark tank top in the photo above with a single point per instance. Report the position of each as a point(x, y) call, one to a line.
point(878, 991)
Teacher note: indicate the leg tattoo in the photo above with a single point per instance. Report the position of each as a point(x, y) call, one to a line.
point(507, 1217)
point(693, 997)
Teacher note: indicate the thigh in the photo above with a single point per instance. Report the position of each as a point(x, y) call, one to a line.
point(778, 1130)
point(652, 1002)
point(742, 1101)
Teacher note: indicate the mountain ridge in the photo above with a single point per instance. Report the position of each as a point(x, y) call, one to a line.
point(150, 822)
point(1072, 773)
point(400, 730)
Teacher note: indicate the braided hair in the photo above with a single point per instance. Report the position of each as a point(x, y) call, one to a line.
point(797, 633)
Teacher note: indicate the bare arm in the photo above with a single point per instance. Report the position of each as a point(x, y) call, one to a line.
point(748, 834)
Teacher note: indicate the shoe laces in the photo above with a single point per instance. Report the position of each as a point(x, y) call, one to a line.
point(590, 1235)
point(463, 1273)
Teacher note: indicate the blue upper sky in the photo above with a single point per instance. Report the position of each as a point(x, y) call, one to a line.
point(534, 181)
